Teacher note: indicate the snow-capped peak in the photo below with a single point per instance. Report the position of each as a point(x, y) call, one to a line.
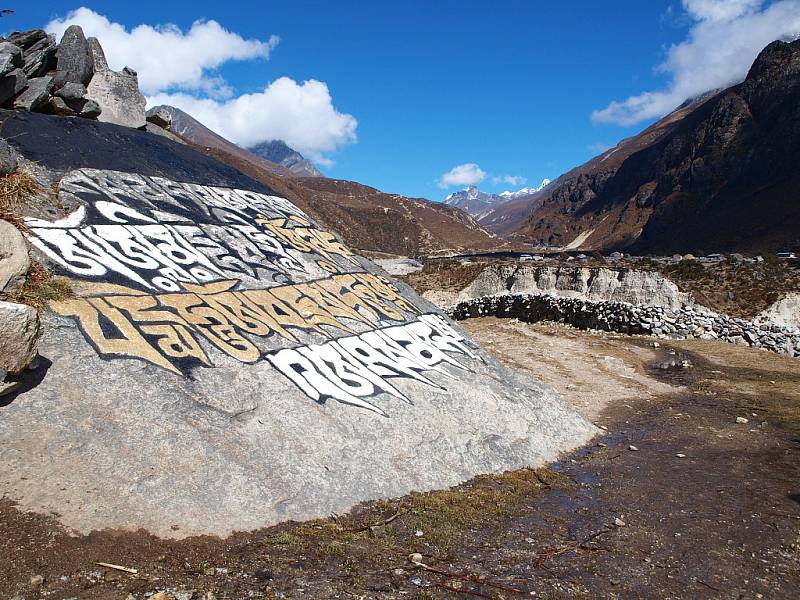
point(525, 191)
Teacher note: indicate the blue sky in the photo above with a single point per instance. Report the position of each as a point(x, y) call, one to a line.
point(416, 88)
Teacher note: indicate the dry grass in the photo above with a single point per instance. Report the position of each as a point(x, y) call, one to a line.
point(41, 287)
point(15, 189)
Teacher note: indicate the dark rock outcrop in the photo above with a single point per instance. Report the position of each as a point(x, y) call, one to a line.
point(67, 79)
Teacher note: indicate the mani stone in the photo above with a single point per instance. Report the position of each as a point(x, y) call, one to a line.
point(12, 84)
point(14, 260)
point(19, 335)
point(8, 160)
point(36, 95)
point(74, 60)
point(116, 93)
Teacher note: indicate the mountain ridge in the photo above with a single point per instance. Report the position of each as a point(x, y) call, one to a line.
point(717, 174)
point(278, 152)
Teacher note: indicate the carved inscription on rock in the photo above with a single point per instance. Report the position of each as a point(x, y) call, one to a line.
point(183, 276)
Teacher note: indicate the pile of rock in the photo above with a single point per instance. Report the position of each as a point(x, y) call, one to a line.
point(621, 317)
point(71, 78)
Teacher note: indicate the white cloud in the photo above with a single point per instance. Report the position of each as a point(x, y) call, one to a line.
point(164, 56)
point(720, 10)
point(181, 69)
point(466, 174)
point(509, 179)
point(725, 38)
point(301, 114)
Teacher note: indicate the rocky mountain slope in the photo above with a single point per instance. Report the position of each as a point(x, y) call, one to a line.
point(364, 217)
point(191, 130)
point(720, 173)
point(278, 152)
point(369, 219)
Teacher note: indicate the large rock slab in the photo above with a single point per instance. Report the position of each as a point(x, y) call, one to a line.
point(116, 93)
point(26, 39)
point(226, 364)
point(14, 259)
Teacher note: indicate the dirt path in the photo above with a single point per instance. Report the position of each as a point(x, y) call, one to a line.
point(704, 507)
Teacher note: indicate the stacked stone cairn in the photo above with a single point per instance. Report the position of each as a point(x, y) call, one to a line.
point(621, 317)
point(70, 78)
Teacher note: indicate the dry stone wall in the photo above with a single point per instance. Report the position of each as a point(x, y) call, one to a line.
point(682, 323)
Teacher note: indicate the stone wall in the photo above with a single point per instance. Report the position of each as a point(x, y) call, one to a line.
point(621, 317)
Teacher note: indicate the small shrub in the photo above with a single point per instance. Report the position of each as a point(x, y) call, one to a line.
point(40, 288)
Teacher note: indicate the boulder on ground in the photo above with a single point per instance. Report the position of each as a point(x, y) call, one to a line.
point(14, 260)
point(155, 129)
point(74, 60)
point(36, 95)
point(19, 333)
point(91, 110)
point(8, 158)
point(226, 364)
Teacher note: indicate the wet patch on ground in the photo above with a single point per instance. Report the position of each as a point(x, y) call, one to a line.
point(680, 498)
